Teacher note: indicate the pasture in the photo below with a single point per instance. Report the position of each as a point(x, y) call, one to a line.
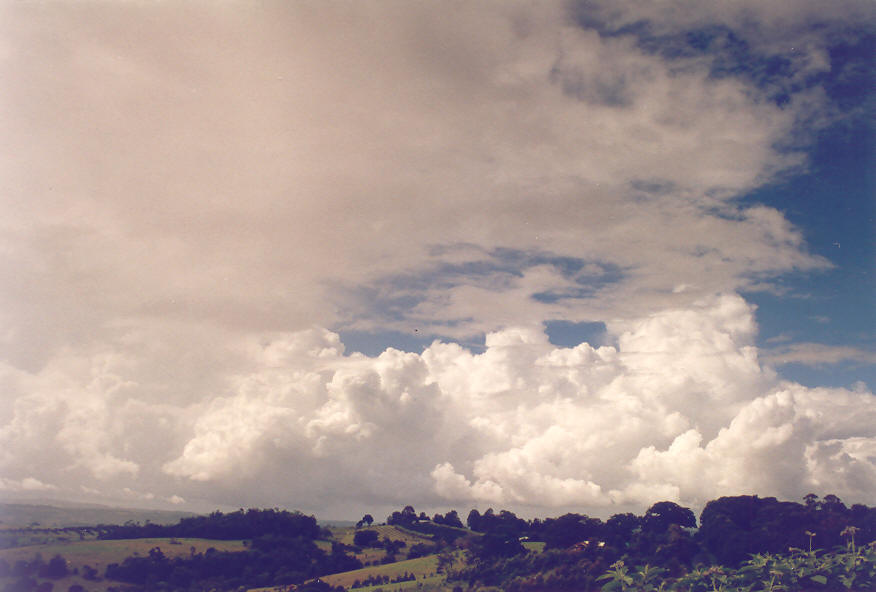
point(99, 554)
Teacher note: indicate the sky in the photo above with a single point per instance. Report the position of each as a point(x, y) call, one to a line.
point(348, 256)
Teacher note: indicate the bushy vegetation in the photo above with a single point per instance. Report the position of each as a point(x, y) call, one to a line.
point(235, 525)
point(845, 569)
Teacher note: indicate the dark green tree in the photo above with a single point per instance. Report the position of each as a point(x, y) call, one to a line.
point(56, 568)
point(366, 538)
point(474, 520)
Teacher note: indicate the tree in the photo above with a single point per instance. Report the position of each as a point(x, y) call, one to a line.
point(404, 518)
point(366, 538)
point(474, 520)
point(619, 529)
point(445, 562)
point(56, 567)
point(451, 518)
point(568, 529)
point(89, 573)
point(367, 520)
point(492, 545)
point(662, 514)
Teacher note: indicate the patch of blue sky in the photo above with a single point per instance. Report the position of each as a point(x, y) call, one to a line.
point(373, 343)
point(569, 334)
point(834, 205)
point(778, 72)
point(832, 200)
point(842, 375)
point(397, 293)
point(393, 298)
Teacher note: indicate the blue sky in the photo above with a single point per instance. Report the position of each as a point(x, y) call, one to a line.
point(834, 206)
point(345, 257)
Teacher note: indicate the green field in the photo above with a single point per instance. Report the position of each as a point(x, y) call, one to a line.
point(345, 535)
point(99, 554)
point(535, 547)
point(423, 568)
point(420, 567)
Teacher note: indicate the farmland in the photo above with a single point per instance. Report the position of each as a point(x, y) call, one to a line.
point(742, 541)
point(99, 554)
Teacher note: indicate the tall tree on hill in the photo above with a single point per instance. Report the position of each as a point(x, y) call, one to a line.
point(451, 518)
point(474, 520)
point(367, 520)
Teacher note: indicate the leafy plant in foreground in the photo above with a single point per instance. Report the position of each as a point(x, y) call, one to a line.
point(853, 568)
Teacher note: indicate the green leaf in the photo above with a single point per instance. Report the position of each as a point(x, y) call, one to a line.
point(819, 579)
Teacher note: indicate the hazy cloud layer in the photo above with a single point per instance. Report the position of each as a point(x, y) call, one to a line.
point(151, 174)
point(197, 198)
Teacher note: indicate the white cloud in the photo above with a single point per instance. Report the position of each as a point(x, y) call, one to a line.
point(26, 484)
point(68, 408)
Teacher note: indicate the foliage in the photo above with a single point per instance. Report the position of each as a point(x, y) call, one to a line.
point(852, 568)
point(449, 519)
point(733, 528)
point(735, 533)
point(366, 538)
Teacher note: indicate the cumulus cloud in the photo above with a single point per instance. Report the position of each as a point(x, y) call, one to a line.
point(681, 409)
point(26, 484)
point(69, 404)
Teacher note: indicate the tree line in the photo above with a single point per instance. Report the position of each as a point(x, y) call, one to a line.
point(579, 548)
point(242, 524)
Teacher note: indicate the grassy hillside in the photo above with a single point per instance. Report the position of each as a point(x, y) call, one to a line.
point(424, 569)
point(395, 533)
point(99, 554)
point(370, 555)
point(420, 567)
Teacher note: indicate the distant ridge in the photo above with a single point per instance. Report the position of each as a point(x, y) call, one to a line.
point(63, 514)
